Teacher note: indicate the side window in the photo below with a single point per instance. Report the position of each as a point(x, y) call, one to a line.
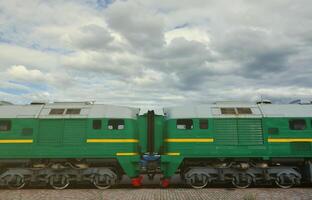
point(56, 111)
point(203, 123)
point(228, 111)
point(297, 124)
point(116, 124)
point(97, 124)
point(185, 124)
point(5, 125)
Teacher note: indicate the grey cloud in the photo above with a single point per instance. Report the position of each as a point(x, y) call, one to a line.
point(120, 65)
point(272, 61)
point(142, 28)
point(122, 54)
point(258, 52)
point(183, 59)
point(92, 37)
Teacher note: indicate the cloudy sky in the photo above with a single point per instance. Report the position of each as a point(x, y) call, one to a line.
point(155, 53)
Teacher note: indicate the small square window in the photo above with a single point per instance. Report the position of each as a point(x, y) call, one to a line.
point(203, 123)
point(5, 125)
point(228, 111)
point(297, 124)
point(56, 111)
point(273, 130)
point(244, 111)
point(73, 111)
point(116, 124)
point(27, 131)
point(97, 124)
point(185, 124)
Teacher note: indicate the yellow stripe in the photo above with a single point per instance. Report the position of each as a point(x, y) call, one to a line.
point(290, 140)
point(15, 141)
point(172, 154)
point(112, 141)
point(126, 154)
point(189, 140)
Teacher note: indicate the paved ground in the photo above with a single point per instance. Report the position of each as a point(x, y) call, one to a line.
point(156, 193)
point(151, 190)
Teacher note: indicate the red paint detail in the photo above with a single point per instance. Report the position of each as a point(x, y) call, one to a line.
point(136, 182)
point(165, 183)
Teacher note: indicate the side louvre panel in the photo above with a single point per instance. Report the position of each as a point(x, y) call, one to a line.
point(249, 131)
point(238, 131)
point(226, 131)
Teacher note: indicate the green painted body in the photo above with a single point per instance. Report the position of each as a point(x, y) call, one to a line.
point(235, 138)
point(67, 138)
point(232, 138)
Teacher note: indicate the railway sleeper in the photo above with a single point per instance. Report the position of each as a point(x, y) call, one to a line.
point(283, 176)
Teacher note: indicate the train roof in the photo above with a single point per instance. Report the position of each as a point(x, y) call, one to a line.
point(257, 110)
point(67, 110)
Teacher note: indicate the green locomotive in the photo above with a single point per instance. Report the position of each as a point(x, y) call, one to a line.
point(241, 143)
point(64, 142)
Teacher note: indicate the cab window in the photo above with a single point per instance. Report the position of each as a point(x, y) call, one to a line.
point(185, 124)
point(5, 125)
point(116, 124)
point(297, 124)
point(203, 123)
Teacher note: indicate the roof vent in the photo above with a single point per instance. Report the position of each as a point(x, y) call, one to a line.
point(264, 101)
point(299, 101)
point(74, 102)
point(231, 102)
point(38, 103)
point(2, 103)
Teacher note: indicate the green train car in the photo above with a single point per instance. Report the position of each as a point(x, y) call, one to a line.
point(68, 142)
point(241, 143)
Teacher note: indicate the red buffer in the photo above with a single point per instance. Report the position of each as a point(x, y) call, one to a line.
point(137, 182)
point(165, 183)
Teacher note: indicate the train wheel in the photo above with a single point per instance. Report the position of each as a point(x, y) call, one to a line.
point(59, 181)
point(285, 180)
point(242, 181)
point(101, 181)
point(16, 181)
point(199, 181)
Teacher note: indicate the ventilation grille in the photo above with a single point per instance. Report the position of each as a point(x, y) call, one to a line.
point(226, 131)
point(249, 131)
point(238, 131)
